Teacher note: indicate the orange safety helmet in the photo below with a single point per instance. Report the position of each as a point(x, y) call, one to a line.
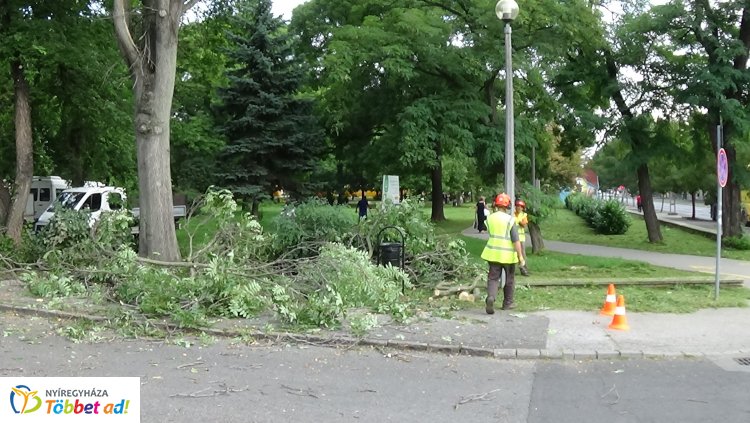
point(502, 200)
point(520, 203)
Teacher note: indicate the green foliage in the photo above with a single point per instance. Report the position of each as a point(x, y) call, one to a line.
point(301, 228)
point(351, 282)
point(430, 258)
point(611, 218)
point(194, 141)
point(80, 102)
point(69, 241)
point(605, 217)
point(361, 324)
point(51, 285)
point(68, 228)
point(737, 242)
point(273, 137)
point(245, 301)
point(29, 251)
point(235, 232)
point(539, 206)
point(81, 330)
point(407, 218)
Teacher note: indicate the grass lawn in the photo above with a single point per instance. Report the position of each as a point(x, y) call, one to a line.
point(550, 265)
point(564, 225)
point(554, 265)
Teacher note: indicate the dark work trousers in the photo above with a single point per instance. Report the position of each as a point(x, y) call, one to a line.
point(493, 281)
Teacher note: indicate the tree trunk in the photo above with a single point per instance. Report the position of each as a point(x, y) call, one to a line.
point(5, 202)
point(535, 233)
point(438, 213)
point(647, 201)
point(731, 222)
point(644, 181)
point(153, 66)
point(731, 211)
point(24, 152)
point(157, 232)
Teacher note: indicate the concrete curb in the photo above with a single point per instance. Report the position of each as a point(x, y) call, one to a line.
point(349, 341)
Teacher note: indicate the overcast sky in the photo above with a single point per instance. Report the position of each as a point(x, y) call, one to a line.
point(285, 7)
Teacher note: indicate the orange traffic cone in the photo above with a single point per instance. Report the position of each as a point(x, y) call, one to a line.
point(610, 303)
point(620, 322)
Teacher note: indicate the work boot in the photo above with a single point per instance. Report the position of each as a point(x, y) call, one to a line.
point(489, 305)
point(509, 306)
point(524, 271)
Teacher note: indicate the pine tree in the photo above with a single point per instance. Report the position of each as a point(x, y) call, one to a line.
point(273, 137)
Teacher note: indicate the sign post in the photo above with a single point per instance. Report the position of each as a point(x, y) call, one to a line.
point(722, 173)
point(391, 190)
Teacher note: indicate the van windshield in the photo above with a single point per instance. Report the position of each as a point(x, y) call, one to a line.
point(67, 200)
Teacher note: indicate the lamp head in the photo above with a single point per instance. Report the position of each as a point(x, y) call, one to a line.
point(506, 10)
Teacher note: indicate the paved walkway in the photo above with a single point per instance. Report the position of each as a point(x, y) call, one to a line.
point(729, 268)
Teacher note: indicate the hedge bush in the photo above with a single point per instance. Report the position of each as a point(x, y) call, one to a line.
point(605, 217)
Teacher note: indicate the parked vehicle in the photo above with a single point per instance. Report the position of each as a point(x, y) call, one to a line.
point(96, 200)
point(44, 189)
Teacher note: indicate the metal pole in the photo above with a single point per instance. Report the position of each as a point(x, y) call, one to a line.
point(718, 210)
point(510, 172)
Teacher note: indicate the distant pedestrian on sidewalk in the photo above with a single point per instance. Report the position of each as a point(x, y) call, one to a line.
point(502, 252)
point(362, 206)
point(638, 203)
point(481, 215)
point(522, 220)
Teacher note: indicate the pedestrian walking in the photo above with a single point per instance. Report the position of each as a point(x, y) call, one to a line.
point(481, 215)
point(522, 220)
point(639, 203)
point(362, 206)
point(502, 252)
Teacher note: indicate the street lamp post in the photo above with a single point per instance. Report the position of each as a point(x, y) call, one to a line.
point(507, 11)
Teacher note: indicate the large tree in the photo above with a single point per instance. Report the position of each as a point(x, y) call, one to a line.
point(273, 138)
point(398, 96)
point(424, 79)
point(26, 29)
point(152, 62)
point(710, 75)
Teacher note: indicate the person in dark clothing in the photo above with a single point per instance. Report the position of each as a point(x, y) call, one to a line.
point(362, 207)
point(481, 213)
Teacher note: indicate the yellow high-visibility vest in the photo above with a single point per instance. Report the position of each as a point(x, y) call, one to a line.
point(499, 248)
point(520, 217)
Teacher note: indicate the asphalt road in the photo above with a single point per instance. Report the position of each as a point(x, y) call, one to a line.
point(231, 381)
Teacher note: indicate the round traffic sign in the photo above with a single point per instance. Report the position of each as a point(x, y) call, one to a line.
point(722, 167)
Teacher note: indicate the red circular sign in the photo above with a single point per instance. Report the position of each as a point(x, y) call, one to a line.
point(722, 167)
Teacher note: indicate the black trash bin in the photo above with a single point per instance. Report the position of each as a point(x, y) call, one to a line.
point(390, 252)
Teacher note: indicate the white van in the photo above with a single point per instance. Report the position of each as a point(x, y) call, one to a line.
point(93, 199)
point(44, 189)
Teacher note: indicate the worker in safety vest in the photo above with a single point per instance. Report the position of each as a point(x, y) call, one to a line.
point(502, 252)
point(522, 220)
